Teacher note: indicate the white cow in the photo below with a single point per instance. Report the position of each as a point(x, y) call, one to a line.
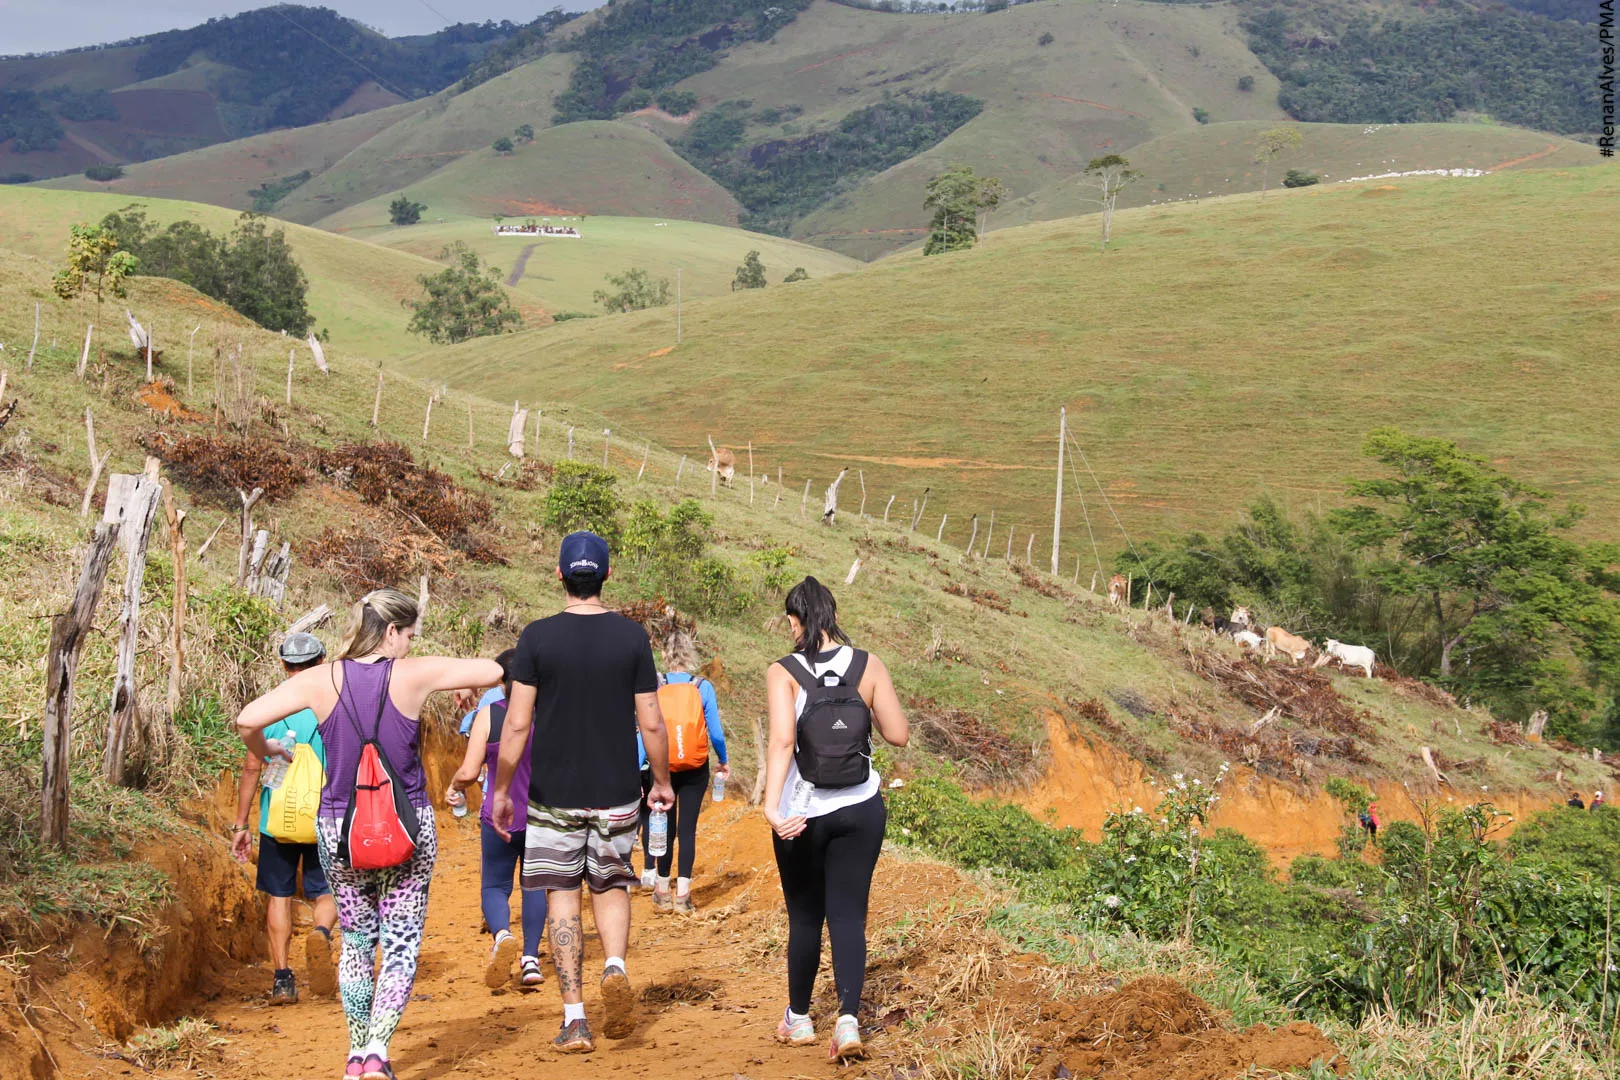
point(1354, 656)
point(1248, 639)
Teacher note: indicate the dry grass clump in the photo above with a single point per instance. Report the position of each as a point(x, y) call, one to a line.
point(1298, 693)
point(994, 1047)
point(984, 754)
point(185, 1044)
point(221, 464)
point(983, 597)
point(687, 990)
point(377, 558)
point(385, 474)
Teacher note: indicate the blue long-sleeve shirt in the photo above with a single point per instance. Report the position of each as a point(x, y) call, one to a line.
point(491, 696)
point(711, 716)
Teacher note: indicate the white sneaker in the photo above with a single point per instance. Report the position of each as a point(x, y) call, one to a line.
point(501, 956)
point(649, 878)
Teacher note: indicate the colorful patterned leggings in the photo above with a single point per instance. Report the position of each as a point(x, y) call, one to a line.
point(378, 906)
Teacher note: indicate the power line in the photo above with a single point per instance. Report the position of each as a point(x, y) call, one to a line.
point(1109, 503)
point(1079, 489)
point(437, 12)
point(384, 83)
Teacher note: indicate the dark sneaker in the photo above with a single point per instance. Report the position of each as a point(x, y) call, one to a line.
point(620, 1002)
point(574, 1038)
point(284, 991)
point(318, 956)
point(530, 976)
point(684, 905)
point(376, 1068)
point(662, 902)
point(355, 1069)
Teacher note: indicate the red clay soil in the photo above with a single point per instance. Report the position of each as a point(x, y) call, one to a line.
point(1154, 1028)
point(160, 399)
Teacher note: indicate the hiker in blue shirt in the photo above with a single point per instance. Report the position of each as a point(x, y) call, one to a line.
point(279, 860)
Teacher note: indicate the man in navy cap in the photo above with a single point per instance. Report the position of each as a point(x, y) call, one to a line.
point(584, 679)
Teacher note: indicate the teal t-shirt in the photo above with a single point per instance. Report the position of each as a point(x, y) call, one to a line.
point(307, 726)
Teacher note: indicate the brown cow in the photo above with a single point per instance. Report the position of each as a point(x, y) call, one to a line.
point(1279, 640)
point(1116, 590)
point(726, 462)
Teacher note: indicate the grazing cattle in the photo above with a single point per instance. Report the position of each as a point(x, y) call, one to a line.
point(726, 463)
point(1354, 656)
point(1240, 620)
point(1116, 589)
point(1248, 639)
point(1279, 640)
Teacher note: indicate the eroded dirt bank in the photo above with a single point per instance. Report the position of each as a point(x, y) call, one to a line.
point(1086, 779)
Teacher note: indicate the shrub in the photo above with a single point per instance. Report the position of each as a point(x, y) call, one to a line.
point(799, 274)
point(1201, 115)
point(104, 173)
point(774, 565)
point(636, 99)
point(402, 211)
point(1246, 83)
point(677, 102)
point(584, 496)
point(937, 815)
point(524, 132)
point(502, 145)
point(1046, 38)
point(1300, 178)
point(1572, 843)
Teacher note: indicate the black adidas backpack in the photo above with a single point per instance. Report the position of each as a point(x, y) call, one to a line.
point(835, 728)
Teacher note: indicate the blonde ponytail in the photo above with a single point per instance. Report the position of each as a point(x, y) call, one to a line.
point(370, 618)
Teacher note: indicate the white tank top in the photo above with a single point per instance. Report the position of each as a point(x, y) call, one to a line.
point(824, 800)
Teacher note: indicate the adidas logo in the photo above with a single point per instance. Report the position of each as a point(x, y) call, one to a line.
point(839, 725)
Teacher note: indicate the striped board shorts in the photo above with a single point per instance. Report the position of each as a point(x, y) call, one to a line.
point(564, 847)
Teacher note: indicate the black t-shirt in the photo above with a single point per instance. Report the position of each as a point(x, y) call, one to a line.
point(586, 671)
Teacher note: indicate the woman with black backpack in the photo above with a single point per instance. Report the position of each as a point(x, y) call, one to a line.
point(825, 804)
point(375, 824)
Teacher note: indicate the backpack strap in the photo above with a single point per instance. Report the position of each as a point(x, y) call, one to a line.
point(857, 668)
point(800, 671)
point(382, 698)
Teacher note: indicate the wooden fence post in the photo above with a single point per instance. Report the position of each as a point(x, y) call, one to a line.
point(469, 424)
point(1029, 551)
point(245, 548)
point(202, 552)
point(516, 432)
point(804, 499)
point(989, 533)
point(134, 501)
point(84, 357)
point(750, 472)
point(607, 444)
point(292, 356)
point(30, 365)
point(570, 444)
point(68, 631)
point(854, 568)
point(862, 474)
point(421, 604)
point(941, 534)
point(917, 518)
point(973, 539)
point(678, 470)
point(376, 402)
point(778, 501)
point(646, 452)
point(191, 344)
point(1010, 533)
point(714, 468)
point(176, 519)
point(96, 463)
point(829, 506)
point(427, 416)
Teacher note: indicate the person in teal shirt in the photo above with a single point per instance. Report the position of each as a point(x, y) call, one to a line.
point(280, 861)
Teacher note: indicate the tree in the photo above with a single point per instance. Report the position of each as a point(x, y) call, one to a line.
point(260, 278)
point(1274, 141)
point(95, 261)
point(1246, 83)
point(1110, 173)
point(104, 173)
point(959, 197)
point(463, 301)
point(502, 145)
point(751, 274)
point(1300, 178)
point(402, 211)
point(635, 290)
point(799, 274)
point(525, 132)
point(1508, 592)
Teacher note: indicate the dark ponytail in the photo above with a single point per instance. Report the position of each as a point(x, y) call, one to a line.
point(813, 605)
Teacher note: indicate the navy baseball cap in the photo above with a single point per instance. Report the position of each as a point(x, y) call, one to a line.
point(583, 553)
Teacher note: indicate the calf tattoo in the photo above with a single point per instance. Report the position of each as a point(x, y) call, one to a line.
point(567, 952)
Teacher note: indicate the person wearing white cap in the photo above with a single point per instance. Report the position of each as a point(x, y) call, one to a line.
point(281, 860)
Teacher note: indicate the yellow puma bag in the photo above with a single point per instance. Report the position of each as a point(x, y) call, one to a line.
point(293, 804)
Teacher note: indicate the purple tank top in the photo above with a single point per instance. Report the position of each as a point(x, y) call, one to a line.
point(351, 724)
point(520, 775)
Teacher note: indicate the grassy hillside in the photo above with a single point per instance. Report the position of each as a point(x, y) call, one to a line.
point(561, 274)
point(355, 289)
point(226, 174)
point(1218, 159)
point(597, 167)
point(449, 128)
point(1217, 350)
point(1114, 75)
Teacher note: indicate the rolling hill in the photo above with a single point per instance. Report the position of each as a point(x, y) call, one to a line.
point(595, 167)
point(355, 288)
point(561, 274)
point(1218, 159)
point(276, 67)
point(1218, 350)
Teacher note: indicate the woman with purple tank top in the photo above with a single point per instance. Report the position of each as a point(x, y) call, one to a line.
point(500, 856)
point(387, 907)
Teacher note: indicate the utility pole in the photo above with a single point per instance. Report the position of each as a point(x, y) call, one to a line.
point(1057, 512)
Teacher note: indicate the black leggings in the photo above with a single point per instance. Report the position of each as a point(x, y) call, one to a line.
point(691, 788)
point(827, 877)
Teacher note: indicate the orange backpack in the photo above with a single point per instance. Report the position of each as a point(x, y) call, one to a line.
point(682, 706)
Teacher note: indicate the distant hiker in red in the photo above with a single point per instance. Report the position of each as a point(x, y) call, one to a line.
point(375, 825)
point(1597, 800)
point(1370, 822)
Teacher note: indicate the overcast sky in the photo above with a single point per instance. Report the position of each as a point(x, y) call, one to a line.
point(45, 25)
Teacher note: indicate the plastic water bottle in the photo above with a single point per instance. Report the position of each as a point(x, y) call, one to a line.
point(719, 787)
point(460, 809)
point(799, 802)
point(657, 833)
point(276, 771)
